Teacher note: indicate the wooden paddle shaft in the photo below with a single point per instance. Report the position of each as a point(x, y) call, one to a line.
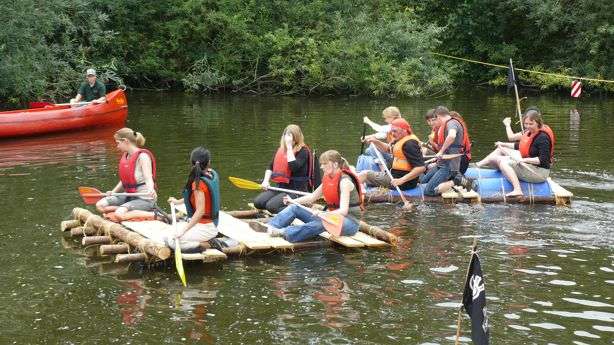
point(289, 191)
point(379, 156)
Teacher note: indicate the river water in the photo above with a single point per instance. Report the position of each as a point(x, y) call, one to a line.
point(549, 270)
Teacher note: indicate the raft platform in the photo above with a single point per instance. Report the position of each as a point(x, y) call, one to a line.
point(492, 188)
point(144, 241)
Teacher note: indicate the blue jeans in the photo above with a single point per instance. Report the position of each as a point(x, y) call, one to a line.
point(434, 178)
point(370, 151)
point(311, 229)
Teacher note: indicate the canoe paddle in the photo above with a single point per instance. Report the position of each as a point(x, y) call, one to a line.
point(91, 195)
point(332, 222)
point(251, 185)
point(406, 204)
point(36, 105)
point(178, 258)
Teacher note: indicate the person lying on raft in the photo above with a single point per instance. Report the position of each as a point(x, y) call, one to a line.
point(407, 164)
point(452, 137)
point(201, 197)
point(291, 168)
point(137, 174)
point(383, 132)
point(342, 193)
point(527, 160)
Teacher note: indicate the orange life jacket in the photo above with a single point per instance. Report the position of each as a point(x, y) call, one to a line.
point(127, 167)
point(527, 140)
point(400, 162)
point(466, 146)
point(389, 137)
point(331, 190)
point(281, 168)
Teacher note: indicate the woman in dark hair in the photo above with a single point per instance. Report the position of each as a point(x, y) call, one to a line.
point(201, 197)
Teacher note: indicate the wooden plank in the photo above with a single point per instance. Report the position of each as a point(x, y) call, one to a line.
point(345, 241)
point(243, 233)
point(368, 240)
point(208, 255)
point(561, 195)
point(154, 230)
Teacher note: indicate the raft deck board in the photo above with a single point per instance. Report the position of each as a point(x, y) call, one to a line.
point(242, 232)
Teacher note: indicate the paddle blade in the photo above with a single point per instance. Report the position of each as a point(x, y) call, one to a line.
point(333, 223)
point(90, 195)
point(179, 262)
point(244, 184)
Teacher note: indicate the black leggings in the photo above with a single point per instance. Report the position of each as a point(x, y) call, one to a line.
point(271, 201)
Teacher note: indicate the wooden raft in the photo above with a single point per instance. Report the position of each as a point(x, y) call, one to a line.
point(145, 240)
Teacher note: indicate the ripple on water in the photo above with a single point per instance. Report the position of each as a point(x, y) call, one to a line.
point(449, 305)
point(520, 328)
point(606, 269)
point(587, 315)
point(527, 271)
point(447, 269)
point(586, 334)
point(546, 325)
point(512, 316)
point(562, 282)
point(603, 328)
point(587, 302)
point(461, 339)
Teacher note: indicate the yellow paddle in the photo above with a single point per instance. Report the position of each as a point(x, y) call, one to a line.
point(251, 185)
point(178, 259)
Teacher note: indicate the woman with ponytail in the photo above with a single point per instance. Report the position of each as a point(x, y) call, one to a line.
point(137, 174)
point(201, 197)
point(342, 193)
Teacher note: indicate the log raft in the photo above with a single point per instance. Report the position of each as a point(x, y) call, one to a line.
point(144, 241)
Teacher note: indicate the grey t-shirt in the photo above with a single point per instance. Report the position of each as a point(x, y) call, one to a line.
point(456, 146)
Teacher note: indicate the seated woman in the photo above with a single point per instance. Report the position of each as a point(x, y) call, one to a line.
point(137, 174)
point(342, 193)
point(383, 132)
point(201, 197)
point(291, 168)
point(527, 160)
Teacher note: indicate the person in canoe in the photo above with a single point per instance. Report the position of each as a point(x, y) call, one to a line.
point(292, 168)
point(528, 159)
point(343, 195)
point(382, 131)
point(407, 164)
point(201, 197)
point(452, 138)
point(137, 174)
point(91, 90)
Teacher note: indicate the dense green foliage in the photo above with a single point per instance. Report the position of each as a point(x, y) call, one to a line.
point(297, 47)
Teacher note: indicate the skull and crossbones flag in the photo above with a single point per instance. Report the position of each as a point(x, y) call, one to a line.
point(474, 301)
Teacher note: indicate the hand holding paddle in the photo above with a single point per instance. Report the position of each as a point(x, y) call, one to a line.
point(91, 195)
point(247, 184)
point(178, 258)
point(332, 222)
point(442, 157)
point(406, 204)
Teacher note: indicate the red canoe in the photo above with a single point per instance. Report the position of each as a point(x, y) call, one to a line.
point(17, 123)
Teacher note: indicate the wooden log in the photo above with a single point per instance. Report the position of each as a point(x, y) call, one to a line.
point(80, 231)
point(253, 213)
point(135, 257)
point(69, 224)
point(117, 231)
point(89, 240)
point(235, 250)
point(378, 233)
point(107, 249)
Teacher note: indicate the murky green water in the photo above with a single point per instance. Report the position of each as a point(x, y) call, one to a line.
point(549, 270)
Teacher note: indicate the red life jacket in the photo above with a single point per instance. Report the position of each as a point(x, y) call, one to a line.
point(331, 190)
point(127, 167)
point(466, 146)
point(527, 140)
point(281, 168)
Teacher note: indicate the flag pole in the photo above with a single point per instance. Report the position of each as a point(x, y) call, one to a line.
point(516, 93)
point(460, 309)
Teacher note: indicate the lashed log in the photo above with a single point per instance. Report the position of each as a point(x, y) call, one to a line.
point(378, 233)
point(80, 231)
point(117, 231)
point(120, 258)
point(69, 224)
point(107, 249)
point(245, 213)
point(89, 240)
